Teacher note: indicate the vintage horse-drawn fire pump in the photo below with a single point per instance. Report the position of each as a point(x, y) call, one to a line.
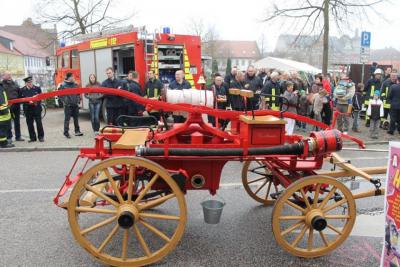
point(127, 206)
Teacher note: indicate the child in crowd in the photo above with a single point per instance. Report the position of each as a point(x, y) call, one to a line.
point(375, 112)
point(357, 103)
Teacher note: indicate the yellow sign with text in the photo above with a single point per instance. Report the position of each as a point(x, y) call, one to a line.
point(104, 42)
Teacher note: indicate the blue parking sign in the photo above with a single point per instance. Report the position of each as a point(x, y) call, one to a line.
point(366, 39)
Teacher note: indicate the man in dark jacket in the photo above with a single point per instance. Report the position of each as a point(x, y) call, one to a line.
point(13, 91)
point(71, 105)
point(272, 90)
point(236, 101)
point(372, 84)
point(179, 83)
point(153, 90)
point(153, 86)
point(394, 100)
point(114, 104)
point(133, 86)
point(384, 95)
point(230, 78)
point(33, 111)
point(255, 84)
point(219, 91)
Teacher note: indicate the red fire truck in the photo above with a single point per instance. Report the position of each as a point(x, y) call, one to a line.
point(130, 49)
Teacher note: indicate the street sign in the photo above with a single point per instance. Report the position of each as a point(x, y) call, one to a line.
point(364, 59)
point(365, 50)
point(366, 39)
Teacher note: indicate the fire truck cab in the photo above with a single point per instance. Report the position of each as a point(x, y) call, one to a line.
point(132, 49)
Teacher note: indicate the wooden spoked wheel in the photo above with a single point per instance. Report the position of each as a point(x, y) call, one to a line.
point(258, 182)
point(137, 214)
point(319, 224)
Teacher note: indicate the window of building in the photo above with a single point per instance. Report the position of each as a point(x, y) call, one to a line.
point(65, 60)
point(74, 59)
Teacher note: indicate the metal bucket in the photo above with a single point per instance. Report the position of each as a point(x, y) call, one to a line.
point(212, 210)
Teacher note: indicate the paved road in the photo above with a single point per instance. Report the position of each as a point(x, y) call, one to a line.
point(34, 232)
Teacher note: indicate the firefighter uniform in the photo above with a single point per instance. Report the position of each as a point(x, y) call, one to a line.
point(272, 89)
point(133, 108)
point(33, 111)
point(153, 89)
point(5, 119)
point(384, 95)
point(114, 104)
point(371, 86)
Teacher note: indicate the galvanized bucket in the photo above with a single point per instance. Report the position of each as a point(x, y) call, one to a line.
point(212, 210)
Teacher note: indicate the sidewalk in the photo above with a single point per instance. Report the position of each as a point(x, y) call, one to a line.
point(55, 140)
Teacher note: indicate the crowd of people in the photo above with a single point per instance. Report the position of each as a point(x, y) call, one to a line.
point(329, 99)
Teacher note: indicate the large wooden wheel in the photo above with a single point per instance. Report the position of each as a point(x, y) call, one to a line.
point(137, 214)
point(258, 182)
point(320, 223)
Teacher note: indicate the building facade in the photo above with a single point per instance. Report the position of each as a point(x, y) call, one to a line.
point(241, 53)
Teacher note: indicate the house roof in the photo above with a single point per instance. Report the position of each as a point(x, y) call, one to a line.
point(237, 49)
point(25, 46)
point(4, 49)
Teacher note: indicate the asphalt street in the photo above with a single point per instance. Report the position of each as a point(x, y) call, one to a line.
point(35, 232)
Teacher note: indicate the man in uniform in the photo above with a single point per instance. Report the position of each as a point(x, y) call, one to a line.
point(272, 90)
point(384, 94)
point(33, 110)
point(5, 119)
point(114, 104)
point(133, 86)
point(153, 88)
point(394, 100)
point(253, 83)
point(179, 83)
point(372, 84)
point(13, 91)
point(71, 105)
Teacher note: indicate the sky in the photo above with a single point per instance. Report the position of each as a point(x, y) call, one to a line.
point(233, 20)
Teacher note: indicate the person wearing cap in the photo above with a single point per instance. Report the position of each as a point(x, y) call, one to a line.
point(13, 92)
point(372, 84)
point(33, 110)
point(394, 100)
point(272, 90)
point(71, 105)
point(375, 113)
point(5, 119)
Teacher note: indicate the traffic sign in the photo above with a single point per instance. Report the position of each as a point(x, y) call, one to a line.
point(366, 39)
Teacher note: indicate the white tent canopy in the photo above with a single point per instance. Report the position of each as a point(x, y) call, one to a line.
point(284, 64)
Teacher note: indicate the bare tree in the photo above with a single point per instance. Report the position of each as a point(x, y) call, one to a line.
point(262, 44)
point(315, 17)
point(79, 16)
point(208, 33)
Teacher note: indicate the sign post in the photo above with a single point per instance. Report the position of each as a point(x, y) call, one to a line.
point(364, 51)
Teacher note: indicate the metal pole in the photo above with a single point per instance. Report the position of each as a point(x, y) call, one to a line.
point(362, 72)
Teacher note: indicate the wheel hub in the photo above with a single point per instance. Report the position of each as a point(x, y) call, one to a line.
point(318, 223)
point(315, 219)
point(128, 215)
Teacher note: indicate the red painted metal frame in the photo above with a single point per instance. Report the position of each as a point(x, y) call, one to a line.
point(209, 167)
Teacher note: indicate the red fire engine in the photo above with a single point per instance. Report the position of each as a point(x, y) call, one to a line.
point(131, 49)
